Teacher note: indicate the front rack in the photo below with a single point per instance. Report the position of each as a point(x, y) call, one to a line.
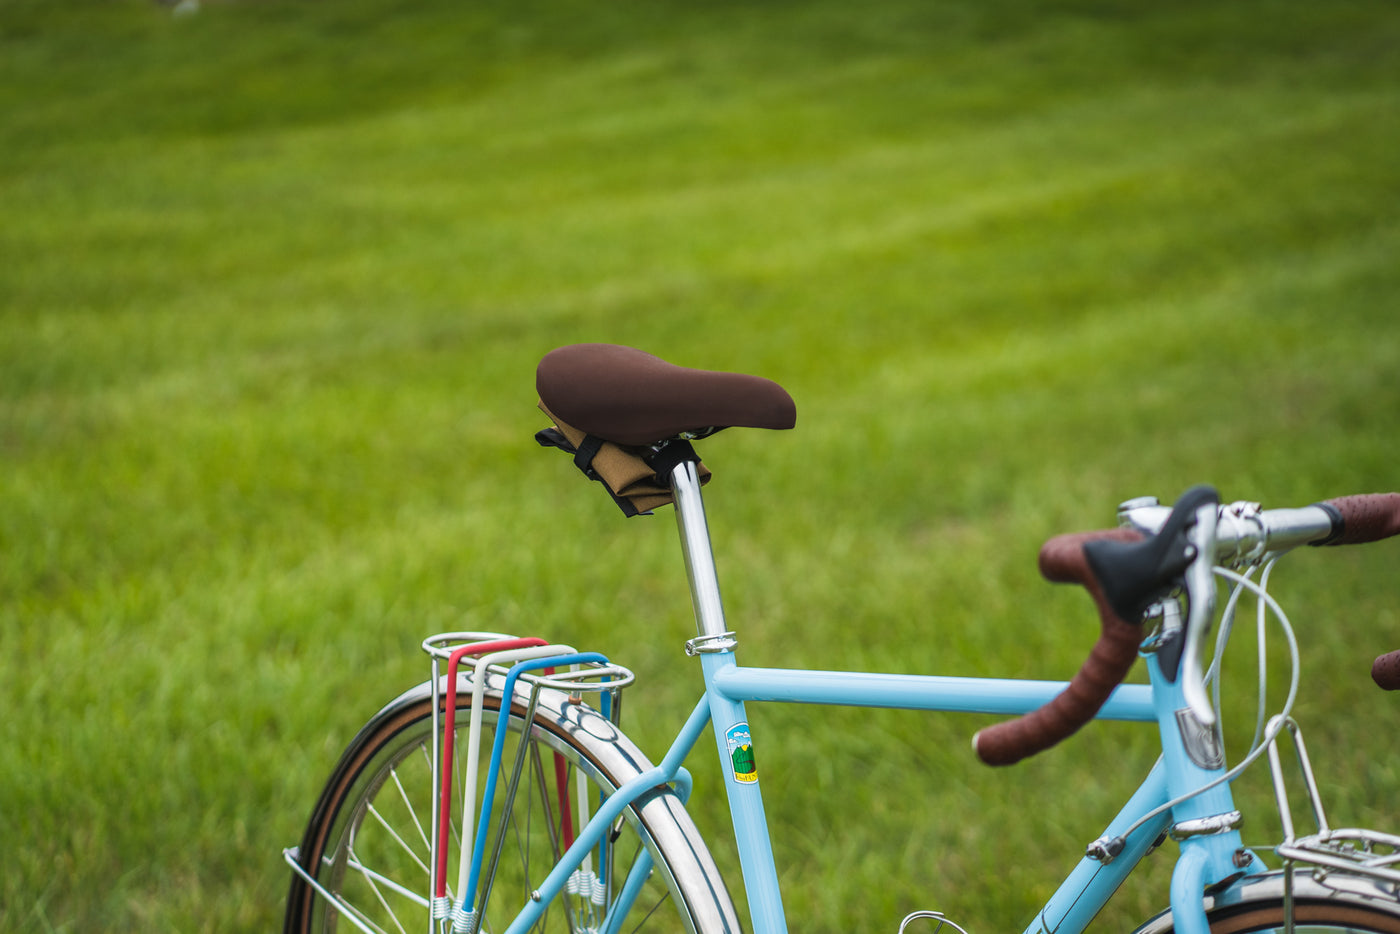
point(1358, 851)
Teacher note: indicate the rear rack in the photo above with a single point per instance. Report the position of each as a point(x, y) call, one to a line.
point(593, 677)
point(528, 666)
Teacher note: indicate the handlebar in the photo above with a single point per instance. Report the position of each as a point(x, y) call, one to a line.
point(1245, 532)
point(1062, 560)
point(1367, 517)
point(1386, 671)
point(1156, 551)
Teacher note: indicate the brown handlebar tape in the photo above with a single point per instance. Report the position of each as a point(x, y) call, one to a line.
point(1386, 671)
point(1370, 517)
point(1367, 517)
point(1062, 561)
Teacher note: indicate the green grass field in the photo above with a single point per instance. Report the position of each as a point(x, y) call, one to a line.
point(274, 279)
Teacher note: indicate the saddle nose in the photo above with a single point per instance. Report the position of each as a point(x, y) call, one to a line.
point(633, 398)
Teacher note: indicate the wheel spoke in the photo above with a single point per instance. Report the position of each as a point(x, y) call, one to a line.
point(370, 878)
point(375, 877)
point(403, 845)
point(413, 812)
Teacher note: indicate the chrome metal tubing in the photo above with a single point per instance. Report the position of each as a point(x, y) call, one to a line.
point(699, 557)
point(1276, 727)
point(1243, 531)
point(1351, 850)
point(335, 901)
point(1206, 826)
point(435, 775)
point(1338, 850)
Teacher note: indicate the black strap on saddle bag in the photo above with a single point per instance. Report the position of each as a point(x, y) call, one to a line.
point(638, 480)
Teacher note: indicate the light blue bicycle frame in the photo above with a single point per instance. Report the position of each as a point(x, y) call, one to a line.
point(1211, 853)
point(1208, 857)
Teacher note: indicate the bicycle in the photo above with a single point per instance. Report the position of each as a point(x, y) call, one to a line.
point(565, 825)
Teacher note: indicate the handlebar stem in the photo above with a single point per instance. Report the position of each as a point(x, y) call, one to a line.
point(1244, 533)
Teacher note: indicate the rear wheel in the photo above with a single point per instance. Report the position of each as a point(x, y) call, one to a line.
point(367, 841)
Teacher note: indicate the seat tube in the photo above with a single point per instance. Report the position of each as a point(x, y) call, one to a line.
point(715, 644)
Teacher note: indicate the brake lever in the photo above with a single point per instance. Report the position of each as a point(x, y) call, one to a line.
point(1200, 598)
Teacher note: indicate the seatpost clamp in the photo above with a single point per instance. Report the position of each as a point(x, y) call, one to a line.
point(711, 645)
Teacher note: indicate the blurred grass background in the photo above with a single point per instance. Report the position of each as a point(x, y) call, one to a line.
point(274, 278)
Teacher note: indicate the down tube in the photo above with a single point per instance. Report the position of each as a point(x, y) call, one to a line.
point(1092, 883)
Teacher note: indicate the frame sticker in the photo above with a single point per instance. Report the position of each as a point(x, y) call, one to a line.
point(741, 754)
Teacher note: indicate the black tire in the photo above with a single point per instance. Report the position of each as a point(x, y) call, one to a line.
point(1335, 903)
point(1308, 918)
point(375, 810)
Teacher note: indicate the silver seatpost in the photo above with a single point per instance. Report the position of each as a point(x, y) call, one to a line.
point(699, 562)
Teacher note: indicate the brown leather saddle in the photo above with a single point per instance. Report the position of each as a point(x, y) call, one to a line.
point(634, 399)
point(628, 417)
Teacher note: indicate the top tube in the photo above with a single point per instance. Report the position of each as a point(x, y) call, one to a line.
point(1009, 697)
